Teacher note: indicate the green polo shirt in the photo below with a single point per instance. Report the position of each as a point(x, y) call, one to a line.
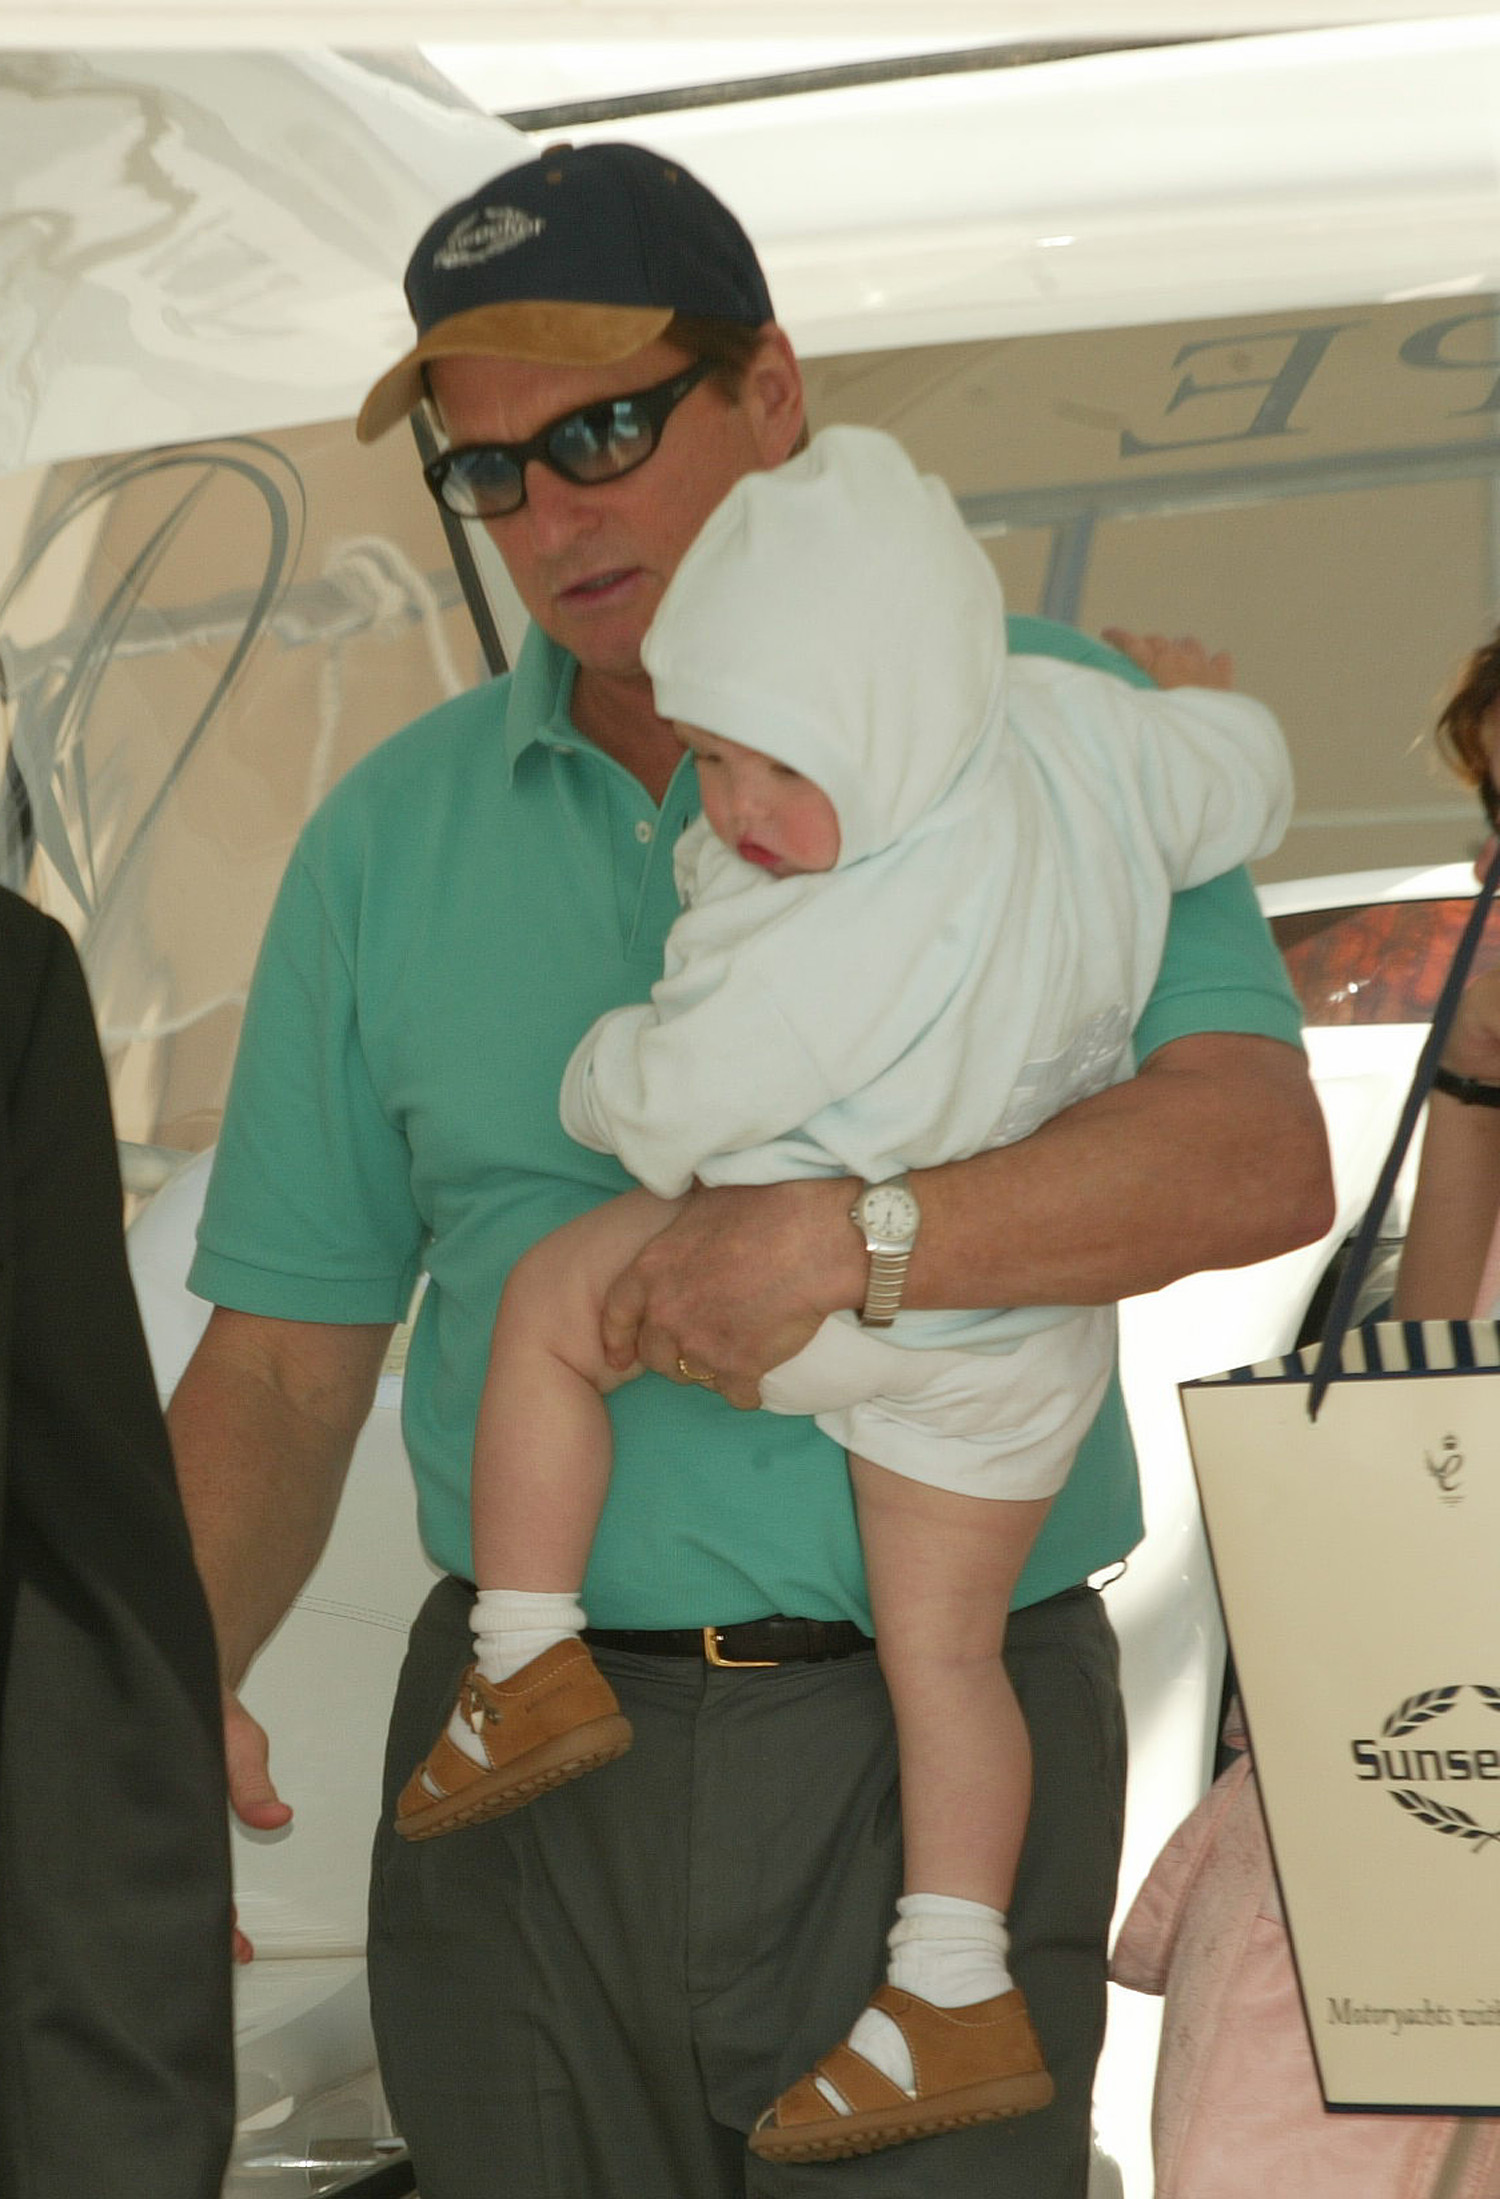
point(465, 903)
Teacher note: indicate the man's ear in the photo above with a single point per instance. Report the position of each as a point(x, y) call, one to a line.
point(772, 396)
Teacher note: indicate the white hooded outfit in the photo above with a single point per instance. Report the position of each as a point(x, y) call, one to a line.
point(1011, 835)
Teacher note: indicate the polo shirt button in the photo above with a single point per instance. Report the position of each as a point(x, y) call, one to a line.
point(644, 830)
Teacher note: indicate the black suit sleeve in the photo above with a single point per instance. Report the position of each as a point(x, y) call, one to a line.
point(115, 2029)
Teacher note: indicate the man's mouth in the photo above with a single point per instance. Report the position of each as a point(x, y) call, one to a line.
point(596, 585)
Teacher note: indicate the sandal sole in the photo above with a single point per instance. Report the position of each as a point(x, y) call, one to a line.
point(854, 2134)
point(496, 1794)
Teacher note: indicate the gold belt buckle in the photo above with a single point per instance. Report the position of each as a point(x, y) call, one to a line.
point(715, 1655)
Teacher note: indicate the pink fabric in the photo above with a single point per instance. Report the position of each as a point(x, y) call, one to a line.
point(1237, 2112)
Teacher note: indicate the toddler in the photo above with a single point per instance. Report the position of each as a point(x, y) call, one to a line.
point(923, 908)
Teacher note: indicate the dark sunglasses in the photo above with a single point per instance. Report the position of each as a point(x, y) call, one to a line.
point(595, 444)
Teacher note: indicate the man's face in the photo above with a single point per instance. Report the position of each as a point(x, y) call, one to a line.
point(590, 564)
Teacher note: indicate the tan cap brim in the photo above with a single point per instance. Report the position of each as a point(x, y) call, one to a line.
point(544, 331)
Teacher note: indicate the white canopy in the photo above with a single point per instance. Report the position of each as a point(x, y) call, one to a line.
point(197, 244)
point(369, 23)
point(209, 242)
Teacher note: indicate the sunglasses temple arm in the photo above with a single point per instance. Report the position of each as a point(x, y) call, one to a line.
point(461, 550)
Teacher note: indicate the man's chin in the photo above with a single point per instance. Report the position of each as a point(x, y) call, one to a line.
point(610, 646)
point(623, 663)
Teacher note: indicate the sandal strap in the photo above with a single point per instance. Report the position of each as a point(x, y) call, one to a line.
point(800, 2104)
point(857, 2081)
point(950, 2047)
point(449, 1768)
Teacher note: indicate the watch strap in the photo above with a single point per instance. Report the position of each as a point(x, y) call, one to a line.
point(883, 1288)
point(1468, 1091)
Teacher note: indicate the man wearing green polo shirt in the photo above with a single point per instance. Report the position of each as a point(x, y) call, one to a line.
point(595, 1998)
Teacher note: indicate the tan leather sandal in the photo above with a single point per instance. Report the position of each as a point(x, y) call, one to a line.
point(552, 1721)
point(977, 2064)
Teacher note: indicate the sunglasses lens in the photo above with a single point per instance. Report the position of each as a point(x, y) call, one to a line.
point(603, 441)
point(597, 443)
point(481, 483)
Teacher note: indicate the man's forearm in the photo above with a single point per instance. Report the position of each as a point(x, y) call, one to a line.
point(1214, 1156)
point(263, 1425)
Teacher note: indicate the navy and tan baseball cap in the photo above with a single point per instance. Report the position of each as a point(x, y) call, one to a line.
point(576, 259)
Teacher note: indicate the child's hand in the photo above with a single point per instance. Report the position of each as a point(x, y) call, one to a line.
point(1180, 663)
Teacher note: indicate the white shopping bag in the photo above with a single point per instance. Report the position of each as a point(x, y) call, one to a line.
point(1358, 1561)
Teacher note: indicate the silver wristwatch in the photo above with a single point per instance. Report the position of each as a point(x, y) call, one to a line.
point(887, 1216)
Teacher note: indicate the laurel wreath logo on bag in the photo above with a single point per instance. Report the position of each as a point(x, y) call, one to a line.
point(1464, 1764)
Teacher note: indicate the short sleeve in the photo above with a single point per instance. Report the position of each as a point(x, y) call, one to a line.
point(309, 1214)
point(1220, 971)
point(1028, 636)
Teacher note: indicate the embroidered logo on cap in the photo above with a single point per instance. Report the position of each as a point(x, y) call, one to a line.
point(485, 235)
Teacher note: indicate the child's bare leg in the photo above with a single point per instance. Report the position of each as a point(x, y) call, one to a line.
point(533, 1710)
point(542, 1449)
point(947, 2040)
point(942, 1569)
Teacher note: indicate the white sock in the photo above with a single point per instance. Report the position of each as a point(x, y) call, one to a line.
point(944, 1949)
point(511, 1626)
point(949, 1951)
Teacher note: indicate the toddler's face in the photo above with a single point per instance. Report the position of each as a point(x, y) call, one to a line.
point(767, 812)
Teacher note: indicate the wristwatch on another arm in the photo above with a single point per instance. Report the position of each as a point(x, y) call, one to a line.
point(1468, 1091)
point(887, 1216)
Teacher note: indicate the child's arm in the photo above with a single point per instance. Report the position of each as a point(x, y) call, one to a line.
point(1205, 769)
point(772, 1007)
point(668, 1095)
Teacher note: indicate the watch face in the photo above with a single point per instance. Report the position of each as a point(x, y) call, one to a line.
point(889, 1212)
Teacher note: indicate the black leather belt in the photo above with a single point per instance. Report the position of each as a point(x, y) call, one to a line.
point(763, 1642)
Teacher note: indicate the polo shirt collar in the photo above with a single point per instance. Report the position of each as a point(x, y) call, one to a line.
point(538, 696)
point(538, 704)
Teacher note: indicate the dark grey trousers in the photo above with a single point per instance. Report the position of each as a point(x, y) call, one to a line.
point(595, 1997)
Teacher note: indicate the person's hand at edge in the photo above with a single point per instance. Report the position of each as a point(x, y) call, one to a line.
point(1179, 662)
point(252, 1795)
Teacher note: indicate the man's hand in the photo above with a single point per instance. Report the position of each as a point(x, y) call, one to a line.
point(737, 1284)
point(247, 1759)
point(1183, 662)
point(252, 1796)
point(263, 1423)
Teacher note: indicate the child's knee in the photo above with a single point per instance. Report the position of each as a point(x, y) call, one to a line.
point(541, 1274)
point(554, 1295)
point(551, 1301)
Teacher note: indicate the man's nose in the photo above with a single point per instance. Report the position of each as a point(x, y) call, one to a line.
point(559, 510)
